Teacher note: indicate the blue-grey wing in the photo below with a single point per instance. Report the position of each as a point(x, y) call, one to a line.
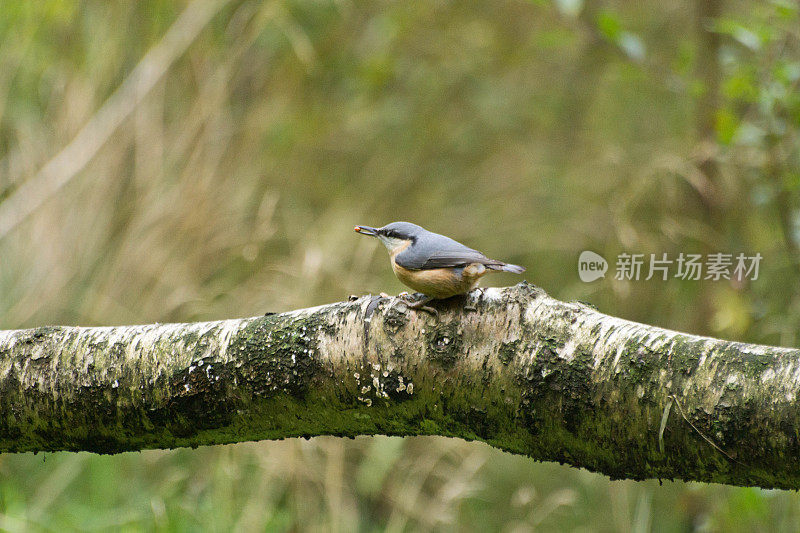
point(438, 251)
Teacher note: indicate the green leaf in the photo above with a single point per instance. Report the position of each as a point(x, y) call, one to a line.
point(741, 86)
point(726, 124)
point(609, 25)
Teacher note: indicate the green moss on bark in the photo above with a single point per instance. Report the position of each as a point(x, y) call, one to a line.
point(523, 372)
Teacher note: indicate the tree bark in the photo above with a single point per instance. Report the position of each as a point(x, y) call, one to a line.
point(511, 367)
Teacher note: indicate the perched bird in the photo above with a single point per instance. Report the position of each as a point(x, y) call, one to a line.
point(435, 265)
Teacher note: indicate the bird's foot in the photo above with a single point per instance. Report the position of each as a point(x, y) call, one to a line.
point(419, 305)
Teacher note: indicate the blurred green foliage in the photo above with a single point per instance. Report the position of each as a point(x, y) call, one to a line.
point(529, 130)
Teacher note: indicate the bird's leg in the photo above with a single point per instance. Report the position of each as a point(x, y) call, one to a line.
point(419, 305)
point(407, 298)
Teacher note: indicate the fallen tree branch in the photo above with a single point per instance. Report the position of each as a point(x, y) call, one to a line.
point(522, 371)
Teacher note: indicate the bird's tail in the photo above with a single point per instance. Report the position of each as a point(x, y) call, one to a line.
point(506, 267)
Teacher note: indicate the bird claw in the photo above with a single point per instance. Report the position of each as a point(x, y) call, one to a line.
point(419, 305)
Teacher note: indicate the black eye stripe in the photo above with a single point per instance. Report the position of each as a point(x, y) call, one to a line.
point(394, 234)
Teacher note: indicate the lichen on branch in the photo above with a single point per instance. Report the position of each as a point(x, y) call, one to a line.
point(511, 367)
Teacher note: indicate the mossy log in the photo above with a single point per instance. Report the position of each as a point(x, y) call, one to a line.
point(511, 367)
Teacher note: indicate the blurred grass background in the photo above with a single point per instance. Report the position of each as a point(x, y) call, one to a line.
point(529, 130)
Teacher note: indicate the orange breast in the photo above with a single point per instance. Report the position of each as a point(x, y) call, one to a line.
point(440, 282)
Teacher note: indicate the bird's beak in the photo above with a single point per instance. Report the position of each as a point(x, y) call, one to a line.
point(366, 230)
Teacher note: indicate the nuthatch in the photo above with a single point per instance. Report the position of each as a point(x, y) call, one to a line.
point(435, 265)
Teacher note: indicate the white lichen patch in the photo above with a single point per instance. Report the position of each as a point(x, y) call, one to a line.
point(491, 294)
point(347, 337)
point(617, 356)
point(567, 352)
point(536, 311)
point(308, 311)
point(760, 349)
point(8, 338)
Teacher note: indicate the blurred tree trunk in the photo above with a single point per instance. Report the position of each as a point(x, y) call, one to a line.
point(709, 74)
point(521, 371)
point(582, 83)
